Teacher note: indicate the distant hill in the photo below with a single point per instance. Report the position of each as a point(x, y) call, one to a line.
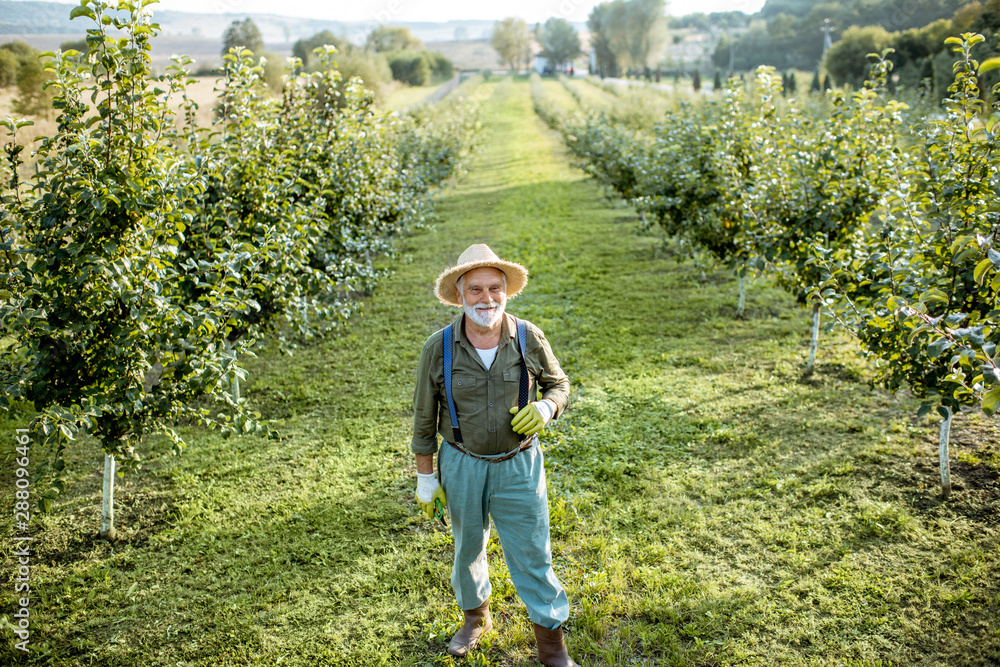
point(890, 14)
point(45, 25)
point(37, 18)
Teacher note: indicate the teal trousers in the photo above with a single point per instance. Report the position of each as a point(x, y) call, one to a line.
point(513, 494)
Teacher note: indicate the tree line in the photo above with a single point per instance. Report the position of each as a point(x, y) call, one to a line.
point(390, 53)
point(789, 34)
point(921, 58)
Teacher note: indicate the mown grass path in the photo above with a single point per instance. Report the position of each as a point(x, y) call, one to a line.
point(708, 506)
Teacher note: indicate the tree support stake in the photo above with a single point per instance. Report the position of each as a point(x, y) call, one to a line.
point(813, 341)
point(108, 531)
point(943, 452)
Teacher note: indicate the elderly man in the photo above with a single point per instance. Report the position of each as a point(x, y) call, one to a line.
point(472, 377)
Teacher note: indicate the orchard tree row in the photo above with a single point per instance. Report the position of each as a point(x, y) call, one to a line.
point(889, 222)
point(146, 256)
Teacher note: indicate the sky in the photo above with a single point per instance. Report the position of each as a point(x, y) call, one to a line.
point(390, 11)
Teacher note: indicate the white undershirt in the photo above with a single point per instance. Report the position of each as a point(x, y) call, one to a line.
point(488, 355)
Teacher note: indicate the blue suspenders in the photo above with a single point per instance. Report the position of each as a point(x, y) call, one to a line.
point(522, 392)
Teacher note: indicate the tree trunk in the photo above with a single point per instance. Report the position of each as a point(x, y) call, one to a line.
point(813, 341)
point(234, 381)
point(236, 387)
point(743, 297)
point(108, 531)
point(943, 454)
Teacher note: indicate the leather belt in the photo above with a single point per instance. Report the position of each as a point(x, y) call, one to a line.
point(526, 444)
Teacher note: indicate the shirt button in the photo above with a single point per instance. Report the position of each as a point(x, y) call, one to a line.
point(491, 405)
point(491, 430)
point(489, 377)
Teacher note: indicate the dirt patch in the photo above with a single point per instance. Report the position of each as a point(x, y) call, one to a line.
point(975, 482)
point(144, 506)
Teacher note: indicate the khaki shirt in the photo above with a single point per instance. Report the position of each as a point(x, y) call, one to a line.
point(483, 397)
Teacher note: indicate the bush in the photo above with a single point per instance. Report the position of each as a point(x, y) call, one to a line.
point(9, 64)
point(13, 56)
point(32, 98)
point(19, 49)
point(370, 68)
point(410, 67)
point(274, 70)
point(847, 60)
point(303, 48)
point(441, 67)
point(75, 45)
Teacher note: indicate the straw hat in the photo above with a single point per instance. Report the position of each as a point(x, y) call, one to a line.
point(477, 256)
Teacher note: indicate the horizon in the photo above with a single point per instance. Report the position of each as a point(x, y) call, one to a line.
point(431, 11)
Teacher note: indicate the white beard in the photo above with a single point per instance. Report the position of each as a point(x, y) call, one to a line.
point(482, 315)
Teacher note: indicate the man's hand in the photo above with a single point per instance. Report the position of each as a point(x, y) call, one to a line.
point(428, 490)
point(531, 419)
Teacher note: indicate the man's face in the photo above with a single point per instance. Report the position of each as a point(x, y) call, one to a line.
point(483, 294)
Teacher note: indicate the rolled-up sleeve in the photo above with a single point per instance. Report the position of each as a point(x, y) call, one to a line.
point(553, 382)
point(425, 399)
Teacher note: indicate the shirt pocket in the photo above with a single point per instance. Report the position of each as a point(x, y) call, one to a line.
point(463, 384)
point(512, 384)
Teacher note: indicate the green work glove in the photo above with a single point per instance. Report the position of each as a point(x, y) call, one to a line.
point(531, 419)
point(428, 491)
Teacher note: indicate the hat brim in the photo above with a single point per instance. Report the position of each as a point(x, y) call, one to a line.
point(444, 288)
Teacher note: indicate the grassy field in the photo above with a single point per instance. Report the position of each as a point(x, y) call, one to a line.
point(474, 54)
point(589, 94)
point(709, 506)
point(402, 96)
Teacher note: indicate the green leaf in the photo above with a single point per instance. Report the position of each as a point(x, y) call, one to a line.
point(981, 270)
point(990, 400)
point(934, 295)
point(960, 257)
point(938, 347)
point(83, 10)
point(961, 242)
point(989, 65)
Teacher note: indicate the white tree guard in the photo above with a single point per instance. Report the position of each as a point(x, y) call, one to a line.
point(813, 340)
point(943, 454)
point(234, 380)
point(108, 531)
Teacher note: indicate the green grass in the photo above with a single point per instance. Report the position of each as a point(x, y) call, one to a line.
point(709, 506)
point(403, 96)
point(590, 95)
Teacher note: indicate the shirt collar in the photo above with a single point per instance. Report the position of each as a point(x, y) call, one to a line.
point(507, 330)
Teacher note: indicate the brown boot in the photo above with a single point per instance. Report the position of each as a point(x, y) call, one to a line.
point(477, 623)
point(551, 648)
